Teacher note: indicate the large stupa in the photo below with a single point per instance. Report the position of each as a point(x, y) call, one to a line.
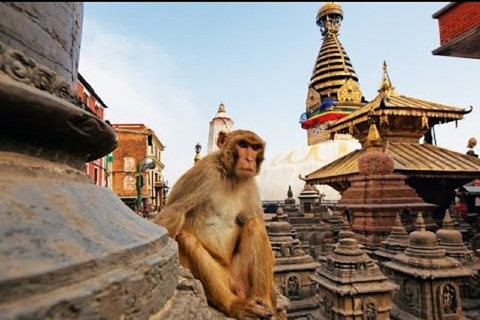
point(333, 93)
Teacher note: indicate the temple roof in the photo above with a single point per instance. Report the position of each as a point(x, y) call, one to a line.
point(389, 102)
point(413, 159)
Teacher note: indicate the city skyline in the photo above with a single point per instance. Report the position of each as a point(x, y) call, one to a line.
point(171, 64)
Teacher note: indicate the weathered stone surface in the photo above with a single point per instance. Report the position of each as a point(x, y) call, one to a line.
point(188, 302)
point(72, 250)
point(49, 31)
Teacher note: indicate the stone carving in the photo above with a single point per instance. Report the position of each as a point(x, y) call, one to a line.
point(409, 293)
point(293, 287)
point(21, 68)
point(369, 309)
point(448, 299)
point(287, 250)
point(327, 305)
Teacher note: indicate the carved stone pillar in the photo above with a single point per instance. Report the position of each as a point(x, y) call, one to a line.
point(68, 249)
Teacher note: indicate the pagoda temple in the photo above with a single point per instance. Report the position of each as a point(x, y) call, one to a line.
point(433, 172)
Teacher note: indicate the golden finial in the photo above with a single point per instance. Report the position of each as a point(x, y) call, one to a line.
point(373, 135)
point(330, 7)
point(386, 84)
point(472, 142)
point(221, 107)
point(329, 18)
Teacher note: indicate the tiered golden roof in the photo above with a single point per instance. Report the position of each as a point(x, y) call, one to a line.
point(411, 114)
point(333, 68)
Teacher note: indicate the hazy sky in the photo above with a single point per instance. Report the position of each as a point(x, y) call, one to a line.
point(169, 65)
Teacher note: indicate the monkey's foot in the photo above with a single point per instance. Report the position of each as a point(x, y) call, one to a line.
point(254, 308)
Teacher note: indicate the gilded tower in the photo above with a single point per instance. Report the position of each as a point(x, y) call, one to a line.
point(333, 91)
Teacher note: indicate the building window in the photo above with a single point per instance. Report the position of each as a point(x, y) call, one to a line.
point(129, 164)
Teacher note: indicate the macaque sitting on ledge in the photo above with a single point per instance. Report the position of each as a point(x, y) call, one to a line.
point(215, 214)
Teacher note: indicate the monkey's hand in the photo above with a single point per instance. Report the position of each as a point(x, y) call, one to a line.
point(248, 309)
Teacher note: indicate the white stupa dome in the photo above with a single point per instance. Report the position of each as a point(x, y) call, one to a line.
point(283, 170)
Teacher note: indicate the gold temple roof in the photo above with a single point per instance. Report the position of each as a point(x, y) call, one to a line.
point(389, 102)
point(412, 159)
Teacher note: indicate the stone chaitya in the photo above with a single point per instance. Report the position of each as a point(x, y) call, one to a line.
point(429, 280)
point(396, 243)
point(350, 285)
point(310, 200)
point(377, 194)
point(450, 240)
point(293, 268)
point(69, 249)
point(309, 227)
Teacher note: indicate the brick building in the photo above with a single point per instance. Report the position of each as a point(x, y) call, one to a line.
point(135, 143)
point(97, 169)
point(459, 28)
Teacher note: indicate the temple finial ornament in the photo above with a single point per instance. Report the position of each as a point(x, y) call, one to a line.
point(373, 137)
point(386, 85)
point(329, 18)
point(221, 107)
point(420, 223)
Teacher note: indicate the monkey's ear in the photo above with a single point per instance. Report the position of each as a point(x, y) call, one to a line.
point(222, 138)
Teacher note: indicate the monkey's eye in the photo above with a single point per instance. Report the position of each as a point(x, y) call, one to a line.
point(242, 144)
point(256, 147)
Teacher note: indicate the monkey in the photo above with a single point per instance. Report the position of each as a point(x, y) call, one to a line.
point(214, 212)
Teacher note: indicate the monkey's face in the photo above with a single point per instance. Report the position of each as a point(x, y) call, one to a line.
point(241, 153)
point(249, 156)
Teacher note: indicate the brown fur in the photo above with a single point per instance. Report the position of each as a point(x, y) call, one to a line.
point(214, 212)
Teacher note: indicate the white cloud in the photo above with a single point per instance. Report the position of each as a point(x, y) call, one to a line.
point(136, 79)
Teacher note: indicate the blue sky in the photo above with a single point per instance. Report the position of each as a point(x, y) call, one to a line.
point(169, 65)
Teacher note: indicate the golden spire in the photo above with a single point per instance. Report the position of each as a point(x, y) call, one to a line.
point(373, 137)
point(221, 107)
point(386, 84)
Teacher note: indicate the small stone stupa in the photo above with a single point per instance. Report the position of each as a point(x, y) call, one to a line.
point(377, 194)
point(396, 243)
point(292, 269)
point(429, 280)
point(350, 285)
point(450, 240)
point(311, 231)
